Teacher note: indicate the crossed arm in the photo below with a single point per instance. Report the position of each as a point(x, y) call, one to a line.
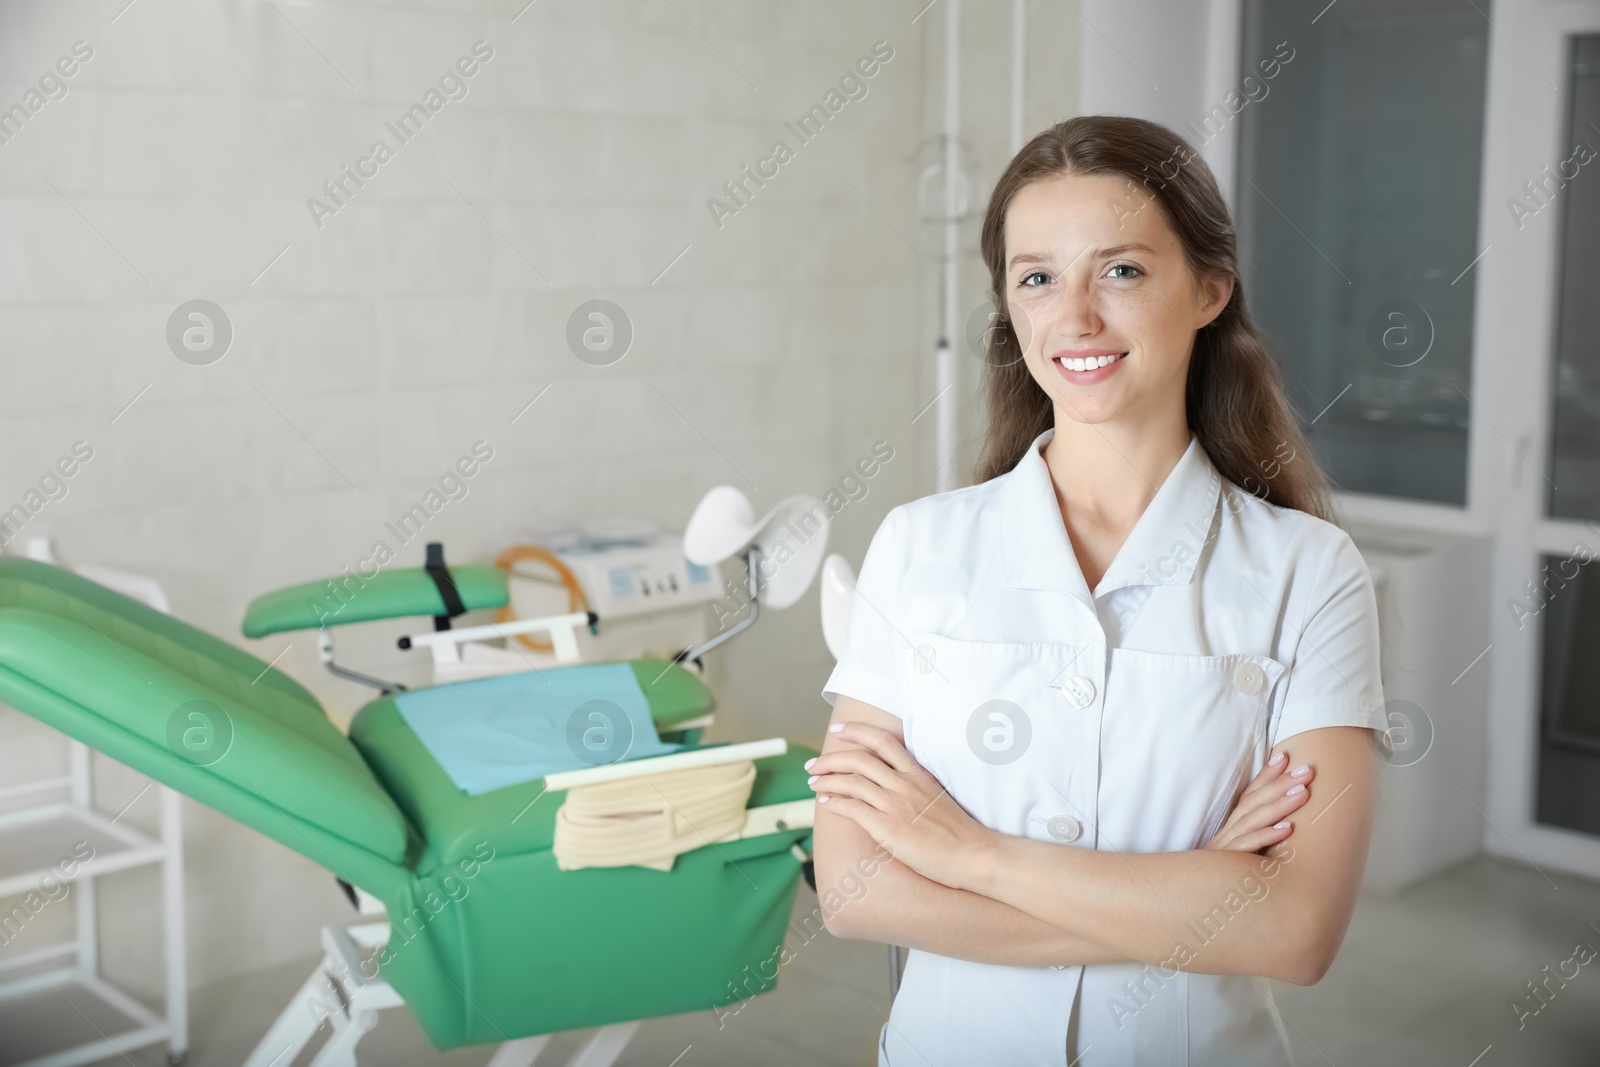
point(956, 888)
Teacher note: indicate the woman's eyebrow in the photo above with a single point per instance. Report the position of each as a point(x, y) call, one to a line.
point(1104, 253)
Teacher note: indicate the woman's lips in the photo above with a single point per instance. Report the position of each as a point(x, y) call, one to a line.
point(1088, 377)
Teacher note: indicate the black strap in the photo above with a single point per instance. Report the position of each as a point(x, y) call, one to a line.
point(445, 584)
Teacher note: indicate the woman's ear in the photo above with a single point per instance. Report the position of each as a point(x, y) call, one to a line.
point(1218, 290)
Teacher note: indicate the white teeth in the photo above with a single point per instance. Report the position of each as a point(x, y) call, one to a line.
point(1090, 363)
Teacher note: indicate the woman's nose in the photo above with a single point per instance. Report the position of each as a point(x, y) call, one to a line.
point(1073, 314)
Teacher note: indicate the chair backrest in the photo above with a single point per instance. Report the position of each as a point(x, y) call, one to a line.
point(192, 711)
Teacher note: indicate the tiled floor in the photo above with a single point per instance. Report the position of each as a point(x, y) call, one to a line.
point(1429, 976)
point(1425, 978)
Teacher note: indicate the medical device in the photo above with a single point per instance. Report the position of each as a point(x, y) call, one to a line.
point(648, 597)
point(838, 591)
point(486, 938)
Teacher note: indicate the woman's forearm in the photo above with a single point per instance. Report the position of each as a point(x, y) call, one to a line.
point(925, 915)
point(869, 898)
point(1216, 904)
point(1209, 911)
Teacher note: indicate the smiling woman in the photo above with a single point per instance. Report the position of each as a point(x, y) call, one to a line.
point(1076, 740)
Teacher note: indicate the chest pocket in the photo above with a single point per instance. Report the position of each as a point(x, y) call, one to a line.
point(988, 719)
point(1180, 737)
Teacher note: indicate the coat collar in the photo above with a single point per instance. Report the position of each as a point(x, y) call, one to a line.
point(1162, 549)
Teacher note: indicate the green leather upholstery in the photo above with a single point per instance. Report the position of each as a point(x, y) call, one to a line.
point(490, 939)
point(117, 675)
point(391, 594)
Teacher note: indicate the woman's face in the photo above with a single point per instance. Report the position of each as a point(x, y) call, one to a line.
point(1094, 270)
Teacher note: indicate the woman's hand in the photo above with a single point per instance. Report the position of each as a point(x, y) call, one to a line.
point(1261, 817)
point(894, 799)
point(904, 808)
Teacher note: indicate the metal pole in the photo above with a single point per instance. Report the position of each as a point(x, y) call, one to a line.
point(172, 923)
point(949, 395)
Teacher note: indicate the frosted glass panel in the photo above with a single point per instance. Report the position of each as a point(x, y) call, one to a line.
point(1357, 206)
point(1575, 438)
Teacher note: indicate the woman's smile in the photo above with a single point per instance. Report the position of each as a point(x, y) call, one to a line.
point(1086, 366)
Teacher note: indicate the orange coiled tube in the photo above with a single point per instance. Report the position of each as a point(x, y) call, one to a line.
point(576, 601)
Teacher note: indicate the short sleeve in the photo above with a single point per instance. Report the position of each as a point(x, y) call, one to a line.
point(1335, 679)
point(867, 670)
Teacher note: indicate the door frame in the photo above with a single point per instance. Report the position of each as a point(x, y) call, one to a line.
point(1516, 310)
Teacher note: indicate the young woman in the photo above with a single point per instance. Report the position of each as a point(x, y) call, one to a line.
point(1060, 680)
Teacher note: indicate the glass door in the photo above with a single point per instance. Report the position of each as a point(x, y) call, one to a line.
point(1360, 164)
point(1537, 435)
point(1567, 597)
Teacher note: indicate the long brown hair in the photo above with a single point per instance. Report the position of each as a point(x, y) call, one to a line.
point(1234, 399)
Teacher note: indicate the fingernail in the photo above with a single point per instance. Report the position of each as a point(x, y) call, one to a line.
point(809, 762)
point(1279, 758)
point(822, 800)
point(1284, 825)
point(812, 780)
point(1299, 771)
point(836, 727)
point(1295, 790)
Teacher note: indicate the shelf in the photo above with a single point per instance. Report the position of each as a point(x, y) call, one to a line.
point(35, 842)
point(55, 1009)
point(38, 1014)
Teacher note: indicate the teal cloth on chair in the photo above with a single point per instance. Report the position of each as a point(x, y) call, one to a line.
point(489, 733)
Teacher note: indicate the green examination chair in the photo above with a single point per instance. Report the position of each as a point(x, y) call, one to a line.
point(487, 940)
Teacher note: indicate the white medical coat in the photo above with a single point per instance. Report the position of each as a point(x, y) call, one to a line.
point(1127, 719)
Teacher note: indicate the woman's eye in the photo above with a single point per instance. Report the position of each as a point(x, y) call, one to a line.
point(1127, 266)
point(1023, 283)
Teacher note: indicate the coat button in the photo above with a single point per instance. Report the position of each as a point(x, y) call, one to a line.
point(1249, 678)
point(1078, 691)
point(1064, 828)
